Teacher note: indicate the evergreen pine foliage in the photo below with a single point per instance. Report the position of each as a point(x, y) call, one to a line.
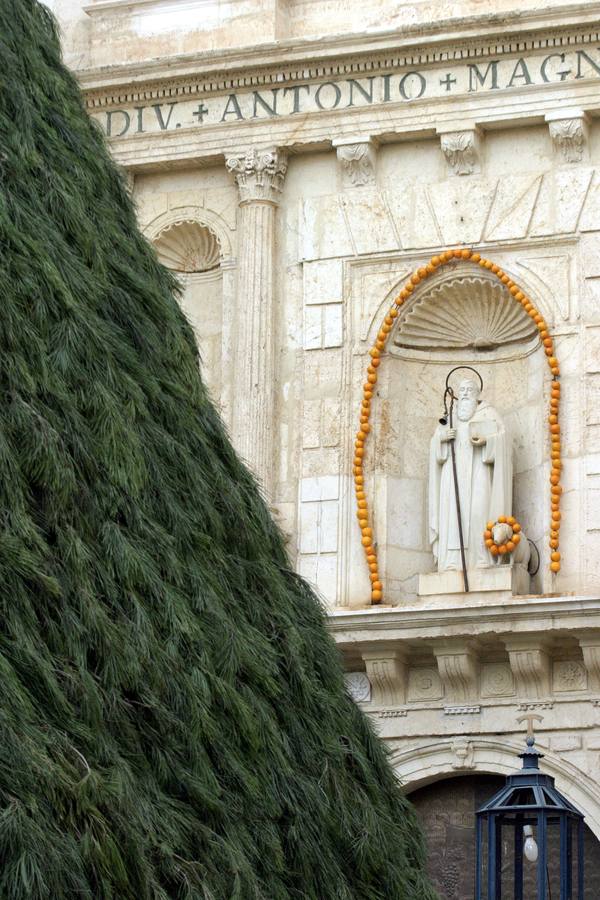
point(173, 720)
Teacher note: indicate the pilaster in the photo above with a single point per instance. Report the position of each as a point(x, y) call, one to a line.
point(259, 176)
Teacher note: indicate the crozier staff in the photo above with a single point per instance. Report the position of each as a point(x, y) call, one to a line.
point(484, 478)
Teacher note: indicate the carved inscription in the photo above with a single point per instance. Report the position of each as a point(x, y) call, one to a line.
point(402, 86)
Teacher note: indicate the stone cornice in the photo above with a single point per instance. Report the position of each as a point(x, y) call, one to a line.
point(368, 627)
point(447, 41)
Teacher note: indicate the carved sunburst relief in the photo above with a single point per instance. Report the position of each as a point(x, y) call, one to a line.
point(466, 312)
point(188, 247)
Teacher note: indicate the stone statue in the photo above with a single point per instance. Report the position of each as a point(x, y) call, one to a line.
point(484, 470)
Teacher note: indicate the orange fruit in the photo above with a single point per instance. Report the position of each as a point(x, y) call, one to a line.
point(487, 533)
point(435, 261)
point(475, 257)
point(555, 557)
point(502, 519)
point(516, 528)
point(489, 542)
point(502, 549)
point(516, 538)
point(366, 541)
point(554, 542)
point(376, 596)
point(511, 520)
point(510, 546)
point(555, 566)
point(490, 525)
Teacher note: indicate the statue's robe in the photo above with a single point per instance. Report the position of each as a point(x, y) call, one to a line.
point(485, 488)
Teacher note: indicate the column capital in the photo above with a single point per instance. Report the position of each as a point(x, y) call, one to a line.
point(259, 174)
point(461, 146)
point(570, 135)
point(357, 158)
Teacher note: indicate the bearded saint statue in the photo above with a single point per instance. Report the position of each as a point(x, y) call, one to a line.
point(484, 475)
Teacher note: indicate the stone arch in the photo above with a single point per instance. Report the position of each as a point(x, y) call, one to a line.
point(453, 757)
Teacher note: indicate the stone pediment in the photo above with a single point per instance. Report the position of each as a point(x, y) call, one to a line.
point(464, 312)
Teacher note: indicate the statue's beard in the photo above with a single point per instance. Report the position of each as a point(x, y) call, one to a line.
point(466, 408)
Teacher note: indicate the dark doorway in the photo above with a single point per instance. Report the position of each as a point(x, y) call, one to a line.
point(446, 810)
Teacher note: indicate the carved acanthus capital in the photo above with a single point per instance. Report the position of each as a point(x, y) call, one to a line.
point(387, 671)
point(259, 174)
point(357, 159)
point(461, 150)
point(569, 133)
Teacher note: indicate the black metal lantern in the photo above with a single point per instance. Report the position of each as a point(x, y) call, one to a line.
point(529, 834)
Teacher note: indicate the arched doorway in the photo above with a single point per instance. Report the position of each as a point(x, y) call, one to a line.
point(446, 810)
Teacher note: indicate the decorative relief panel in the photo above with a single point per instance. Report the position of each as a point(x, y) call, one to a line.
point(497, 680)
point(358, 686)
point(424, 683)
point(569, 675)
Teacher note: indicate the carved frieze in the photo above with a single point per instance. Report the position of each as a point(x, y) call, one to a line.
point(259, 174)
point(497, 680)
point(569, 675)
point(424, 683)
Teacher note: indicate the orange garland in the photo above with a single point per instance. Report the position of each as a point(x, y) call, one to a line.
point(507, 548)
point(435, 263)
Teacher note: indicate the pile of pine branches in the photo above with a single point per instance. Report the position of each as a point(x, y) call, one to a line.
point(173, 720)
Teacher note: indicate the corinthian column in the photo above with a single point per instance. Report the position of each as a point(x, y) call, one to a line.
point(259, 176)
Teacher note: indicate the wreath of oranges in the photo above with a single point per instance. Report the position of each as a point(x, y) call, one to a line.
point(507, 548)
point(369, 387)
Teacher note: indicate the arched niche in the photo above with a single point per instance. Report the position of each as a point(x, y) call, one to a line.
point(459, 316)
point(192, 250)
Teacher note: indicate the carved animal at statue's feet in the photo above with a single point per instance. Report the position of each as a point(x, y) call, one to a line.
point(502, 533)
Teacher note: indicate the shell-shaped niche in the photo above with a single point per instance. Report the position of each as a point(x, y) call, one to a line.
point(188, 247)
point(474, 313)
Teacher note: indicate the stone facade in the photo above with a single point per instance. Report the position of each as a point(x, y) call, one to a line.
point(294, 166)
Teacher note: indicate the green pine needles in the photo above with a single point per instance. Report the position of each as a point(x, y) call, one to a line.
point(173, 720)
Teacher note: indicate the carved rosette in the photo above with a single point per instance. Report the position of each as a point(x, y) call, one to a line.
point(259, 174)
point(358, 163)
point(461, 149)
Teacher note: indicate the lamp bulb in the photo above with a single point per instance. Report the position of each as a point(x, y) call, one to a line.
point(530, 847)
